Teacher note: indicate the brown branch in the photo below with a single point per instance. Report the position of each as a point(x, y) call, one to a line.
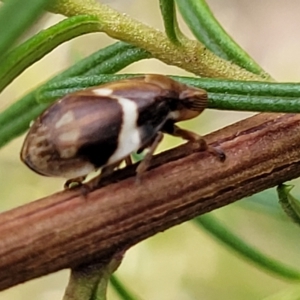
point(66, 229)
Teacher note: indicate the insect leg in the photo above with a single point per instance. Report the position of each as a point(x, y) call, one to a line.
point(144, 164)
point(105, 172)
point(194, 137)
point(128, 160)
point(74, 182)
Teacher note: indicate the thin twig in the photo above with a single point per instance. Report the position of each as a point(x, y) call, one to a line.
point(68, 229)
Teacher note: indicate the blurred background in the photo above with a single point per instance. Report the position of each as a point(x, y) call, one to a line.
point(184, 262)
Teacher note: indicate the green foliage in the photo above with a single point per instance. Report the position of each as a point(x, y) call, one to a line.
point(242, 248)
point(222, 94)
point(290, 204)
point(35, 48)
point(16, 119)
point(207, 30)
point(16, 16)
point(168, 12)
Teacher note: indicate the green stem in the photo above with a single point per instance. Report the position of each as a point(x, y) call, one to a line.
point(90, 282)
point(250, 253)
point(190, 56)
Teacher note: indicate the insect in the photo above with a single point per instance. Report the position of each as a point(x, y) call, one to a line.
point(101, 126)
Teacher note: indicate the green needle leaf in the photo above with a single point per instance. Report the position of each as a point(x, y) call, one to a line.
point(256, 103)
point(168, 12)
point(208, 30)
point(224, 235)
point(120, 288)
point(25, 55)
point(15, 17)
point(222, 94)
point(16, 119)
point(289, 204)
point(58, 89)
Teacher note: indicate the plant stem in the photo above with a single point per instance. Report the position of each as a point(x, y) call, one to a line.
point(261, 152)
point(190, 55)
point(90, 282)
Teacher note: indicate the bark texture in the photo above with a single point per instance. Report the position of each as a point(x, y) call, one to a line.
point(68, 229)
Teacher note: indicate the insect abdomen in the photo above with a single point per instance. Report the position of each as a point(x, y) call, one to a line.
point(87, 132)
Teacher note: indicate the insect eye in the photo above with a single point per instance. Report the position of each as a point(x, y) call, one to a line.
point(194, 99)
